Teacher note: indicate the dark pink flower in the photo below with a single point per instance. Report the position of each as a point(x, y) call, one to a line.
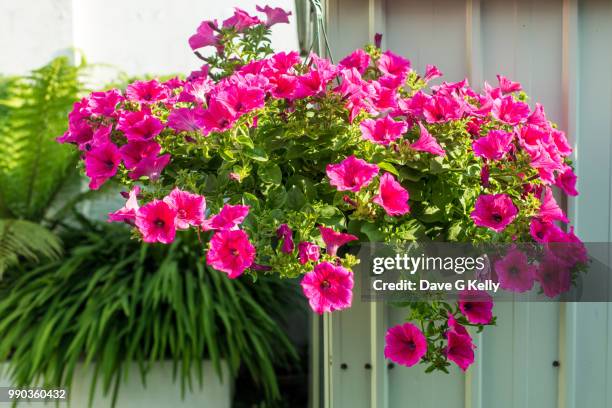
point(494, 211)
point(196, 90)
point(554, 276)
point(284, 86)
point(442, 108)
point(127, 213)
point(453, 325)
point(544, 232)
point(460, 349)
point(104, 103)
point(241, 99)
point(476, 306)
point(146, 92)
point(549, 209)
point(431, 72)
point(358, 59)
point(190, 208)
point(228, 218)
point(510, 111)
point(383, 131)
point(230, 252)
point(218, 117)
point(241, 20)
point(274, 15)
point(351, 174)
point(139, 125)
point(405, 344)
point(484, 176)
point(150, 166)
point(566, 181)
point(560, 142)
point(135, 151)
point(494, 145)
point(205, 35)
point(308, 251)
point(514, 271)
point(427, 143)
point(392, 64)
point(507, 86)
point(101, 163)
point(186, 119)
point(328, 287)
point(155, 221)
point(334, 240)
point(286, 234)
point(392, 196)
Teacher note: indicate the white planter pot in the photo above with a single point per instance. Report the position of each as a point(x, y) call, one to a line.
point(161, 391)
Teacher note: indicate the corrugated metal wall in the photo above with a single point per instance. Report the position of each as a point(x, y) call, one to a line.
point(561, 51)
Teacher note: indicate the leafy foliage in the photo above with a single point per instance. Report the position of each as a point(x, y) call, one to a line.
point(112, 301)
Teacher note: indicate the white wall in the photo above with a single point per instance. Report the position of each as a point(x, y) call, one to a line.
point(135, 36)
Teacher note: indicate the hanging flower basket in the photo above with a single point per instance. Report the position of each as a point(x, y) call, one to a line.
point(280, 163)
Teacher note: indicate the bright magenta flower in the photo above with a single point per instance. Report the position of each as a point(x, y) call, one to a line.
point(190, 208)
point(494, 145)
point(146, 92)
point(241, 20)
point(392, 196)
point(476, 306)
point(460, 349)
point(566, 181)
point(241, 99)
point(139, 125)
point(328, 287)
point(494, 211)
point(218, 117)
point(383, 131)
point(510, 111)
point(544, 232)
point(554, 276)
point(334, 240)
point(196, 90)
point(101, 163)
point(285, 233)
point(549, 209)
point(230, 252)
point(308, 251)
point(274, 15)
point(507, 86)
point(351, 174)
point(228, 218)
point(358, 59)
point(127, 213)
point(427, 143)
point(392, 64)
point(135, 151)
point(104, 103)
point(405, 344)
point(150, 166)
point(431, 72)
point(514, 271)
point(186, 119)
point(205, 35)
point(155, 221)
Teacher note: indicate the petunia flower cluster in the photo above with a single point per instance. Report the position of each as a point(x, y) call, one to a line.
point(279, 163)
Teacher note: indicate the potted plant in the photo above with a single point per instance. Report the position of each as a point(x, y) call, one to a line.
point(277, 162)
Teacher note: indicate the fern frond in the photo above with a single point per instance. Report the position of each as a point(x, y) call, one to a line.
point(33, 114)
point(27, 240)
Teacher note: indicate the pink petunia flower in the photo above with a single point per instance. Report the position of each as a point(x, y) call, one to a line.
point(566, 181)
point(476, 306)
point(135, 151)
point(351, 174)
point(146, 92)
point(392, 196)
point(507, 86)
point(101, 163)
point(334, 240)
point(186, 119)
point(150, 166)
point(427, 143)
point(514, 271)
point(544, 232)
point(494, 211)
point(453, 325)
point(286, 234)
point(241, 99)
point(494, 145)
point(307, 251)
point(127, 213)
point(328, 287)
point(218, 117)
point(155, 221)
point(196, 90)
point(274, 15)
point(549, 209)
point(230, 252)
point(554, 276)
point(139, 125)
point(431, 72)
point(104, 103)
point(383, 131)
point(405, 344)
point(205, 35)
point(241, 20)
point(190, 208)
point(510, 111)
point(392, 64)
point(358, 59)
point(460, 349)
point(228, 218)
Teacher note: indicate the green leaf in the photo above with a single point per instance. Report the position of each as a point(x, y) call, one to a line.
point(257, 154)
point(270, 174)
point(388, 167)
point(295, 198)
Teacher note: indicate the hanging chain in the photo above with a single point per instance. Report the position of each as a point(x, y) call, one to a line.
point(320, 28)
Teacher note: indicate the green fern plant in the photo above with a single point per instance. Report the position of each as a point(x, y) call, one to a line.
point(33, 167)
